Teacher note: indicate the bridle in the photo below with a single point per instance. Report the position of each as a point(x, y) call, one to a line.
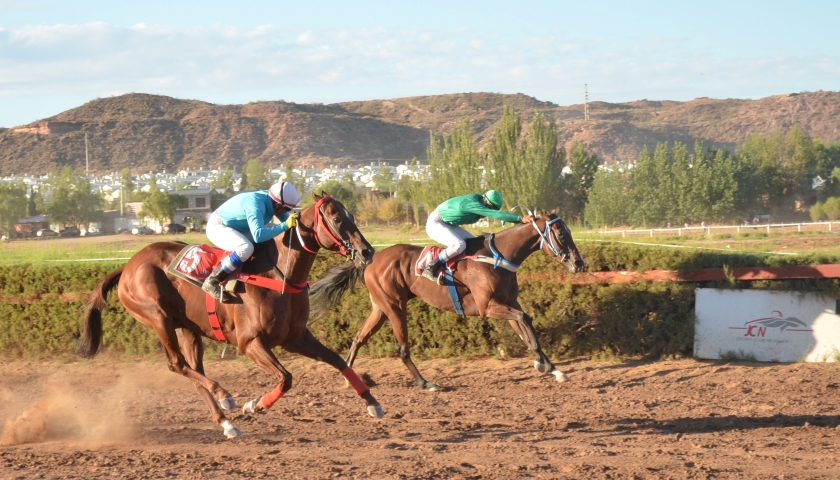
point(344, 247)
point(547, 237)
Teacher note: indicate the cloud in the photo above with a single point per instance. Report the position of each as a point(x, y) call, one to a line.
point(97, 58)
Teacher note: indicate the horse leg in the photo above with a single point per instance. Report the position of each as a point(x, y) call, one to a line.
point(524, 327)
point(260, 354)
point(307, 345)
point(370, 327)
point(178, 364)
point(193, 349)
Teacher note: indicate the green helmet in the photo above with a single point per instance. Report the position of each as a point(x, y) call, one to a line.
point(494, 198)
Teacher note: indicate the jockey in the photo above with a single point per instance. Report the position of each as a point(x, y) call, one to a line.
point(244, 220)
point(442, 224)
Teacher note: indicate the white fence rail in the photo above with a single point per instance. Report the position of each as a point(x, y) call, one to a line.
point(717, 229)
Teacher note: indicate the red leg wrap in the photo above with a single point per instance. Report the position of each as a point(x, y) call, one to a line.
point(356, 382)
point(269, 398)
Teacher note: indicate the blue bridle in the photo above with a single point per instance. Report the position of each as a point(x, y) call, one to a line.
point(546, 238)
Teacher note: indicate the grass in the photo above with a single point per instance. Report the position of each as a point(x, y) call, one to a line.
point(113, 247)
point(124, 246)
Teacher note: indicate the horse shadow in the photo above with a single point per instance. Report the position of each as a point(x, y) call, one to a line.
point(723, 423)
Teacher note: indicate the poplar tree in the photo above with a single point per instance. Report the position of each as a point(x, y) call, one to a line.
point(454, 166)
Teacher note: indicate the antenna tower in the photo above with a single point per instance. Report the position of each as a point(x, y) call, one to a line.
point(585, 102)
point(87, 163)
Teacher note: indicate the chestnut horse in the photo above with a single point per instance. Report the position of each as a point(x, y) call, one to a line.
point(484, 289)
point(256, 320)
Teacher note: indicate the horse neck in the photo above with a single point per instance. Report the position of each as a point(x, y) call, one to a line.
point(517, 243)
point(287, 255)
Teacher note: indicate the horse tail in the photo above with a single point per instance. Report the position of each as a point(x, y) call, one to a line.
point(88, 345)
point(328, 290)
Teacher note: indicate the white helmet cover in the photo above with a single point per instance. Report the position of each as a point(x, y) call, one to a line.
point(285, 194)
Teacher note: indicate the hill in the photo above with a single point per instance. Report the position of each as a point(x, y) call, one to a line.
point(150, 132)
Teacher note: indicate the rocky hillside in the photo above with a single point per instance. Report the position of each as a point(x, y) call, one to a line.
point(149, 132)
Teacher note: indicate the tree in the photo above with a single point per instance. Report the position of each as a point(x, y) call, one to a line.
point(389, 210)
point(454, 166)
point(367, 209)
point(12, 205)
point(223, 181)
point(254, 177)
point(526, 171)
point(410, 191)
point(578, 181)
point(816, 212)
point(340, 192)
point(384, 179)
point(831, 208)
point(609, 201)
point(32, 204)
point(159, 205)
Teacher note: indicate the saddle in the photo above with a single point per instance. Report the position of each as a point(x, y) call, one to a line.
point(194, 263)
point(429, 253)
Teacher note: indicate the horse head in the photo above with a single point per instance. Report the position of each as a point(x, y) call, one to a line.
point(557, 242)
point(334, 228)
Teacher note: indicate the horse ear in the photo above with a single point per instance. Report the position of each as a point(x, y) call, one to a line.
point(315, 196)
point(323, 193)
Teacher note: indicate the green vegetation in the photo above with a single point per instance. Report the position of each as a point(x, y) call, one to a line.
point(768, 173)
point(43, 307)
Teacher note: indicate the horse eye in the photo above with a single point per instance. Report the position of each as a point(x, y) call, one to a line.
point(337, 220)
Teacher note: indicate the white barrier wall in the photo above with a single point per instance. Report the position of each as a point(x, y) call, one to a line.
point(771, 326)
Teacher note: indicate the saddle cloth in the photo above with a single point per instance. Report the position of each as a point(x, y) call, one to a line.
point(194, 263)
point(430, 253)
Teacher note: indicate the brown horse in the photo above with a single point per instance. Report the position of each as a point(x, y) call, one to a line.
point(256, 320)
point(485, 290)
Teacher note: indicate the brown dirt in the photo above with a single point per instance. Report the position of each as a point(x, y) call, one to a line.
point(497, 419)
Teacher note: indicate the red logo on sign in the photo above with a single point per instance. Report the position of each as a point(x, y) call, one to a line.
point(759, 326)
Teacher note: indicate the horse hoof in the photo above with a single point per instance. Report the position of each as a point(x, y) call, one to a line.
point(375, 411)
point(541, 367)
point(250, 406)
point(230, 429)
point(431, 387)
point(560, 376)
point(227, 404)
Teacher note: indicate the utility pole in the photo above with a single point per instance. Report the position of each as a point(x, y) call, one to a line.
point(585, 102)
point(87, 162)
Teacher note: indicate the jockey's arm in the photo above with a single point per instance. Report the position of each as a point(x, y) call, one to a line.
point(260, 231)
point(497, 214)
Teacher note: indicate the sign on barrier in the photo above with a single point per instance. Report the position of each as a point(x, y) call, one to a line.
point(769, 326)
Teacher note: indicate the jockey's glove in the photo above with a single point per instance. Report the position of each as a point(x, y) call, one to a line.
point(291, 221)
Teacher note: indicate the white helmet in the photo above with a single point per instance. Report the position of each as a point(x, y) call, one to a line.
point(285, 194)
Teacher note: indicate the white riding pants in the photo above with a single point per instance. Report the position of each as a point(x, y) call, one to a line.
point(229, 239)
point(453, 236)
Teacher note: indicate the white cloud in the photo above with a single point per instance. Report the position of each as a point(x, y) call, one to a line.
point(98, 58)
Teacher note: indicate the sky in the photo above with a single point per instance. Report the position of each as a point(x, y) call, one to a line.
point(56, 55)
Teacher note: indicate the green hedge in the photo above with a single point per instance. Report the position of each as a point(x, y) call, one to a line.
point(648, 319)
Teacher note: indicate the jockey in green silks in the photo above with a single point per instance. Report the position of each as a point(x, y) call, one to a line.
point(443, 224)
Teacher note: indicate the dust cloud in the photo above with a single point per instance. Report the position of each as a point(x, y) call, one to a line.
point(67, 410)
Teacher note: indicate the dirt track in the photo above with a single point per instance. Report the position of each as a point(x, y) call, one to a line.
point(497, 419)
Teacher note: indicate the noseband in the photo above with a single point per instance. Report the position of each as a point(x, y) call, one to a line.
point(344, 247)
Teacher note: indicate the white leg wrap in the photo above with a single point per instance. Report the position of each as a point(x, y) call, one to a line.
point(250, 406)
point(230, 429)
point(227, 404)
point(560, 376)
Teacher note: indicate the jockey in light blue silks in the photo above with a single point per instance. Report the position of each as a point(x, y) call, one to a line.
point(442, 224)
point(243, 220)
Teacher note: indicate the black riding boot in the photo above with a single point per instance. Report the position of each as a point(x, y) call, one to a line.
point(213, 286)
point(430, 271)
